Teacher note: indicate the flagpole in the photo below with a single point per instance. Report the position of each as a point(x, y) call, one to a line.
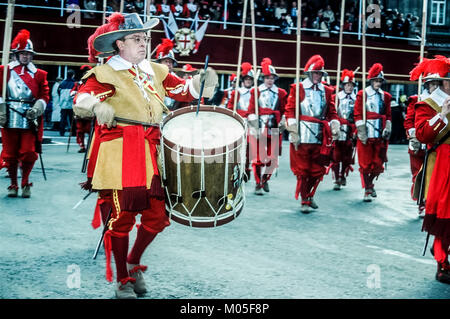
point(241, 48)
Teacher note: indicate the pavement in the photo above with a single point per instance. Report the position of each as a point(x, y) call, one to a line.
point(347, 249)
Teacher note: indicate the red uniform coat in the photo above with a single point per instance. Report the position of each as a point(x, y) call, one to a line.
point(415, 159)
point(437, 217)
point(372, 155)
point(38, 84)
point(305, 160)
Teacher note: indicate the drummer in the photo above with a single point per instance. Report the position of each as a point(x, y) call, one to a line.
point(126, 172)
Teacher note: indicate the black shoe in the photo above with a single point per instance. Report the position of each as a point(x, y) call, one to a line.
point(443, 273)
point(82, 150)
point(266, 187)
point(312, 203)
point(258, 190)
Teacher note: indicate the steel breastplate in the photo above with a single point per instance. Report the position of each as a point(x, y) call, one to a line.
point(345, 109)
point(20, 99)
point(313, 104)
point(268, 99)
point(244, 101)
point(374, 103)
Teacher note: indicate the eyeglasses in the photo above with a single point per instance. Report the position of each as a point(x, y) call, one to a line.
point(138, 39)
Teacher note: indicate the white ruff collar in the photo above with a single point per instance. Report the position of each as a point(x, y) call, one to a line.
point(370, 91)
point(263, 87)
point(307, 84)
point(118, 63)
point(31, 67)
point(438, 96)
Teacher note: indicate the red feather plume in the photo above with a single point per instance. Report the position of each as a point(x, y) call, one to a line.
point(420, 69)
point(375, 70)
point(20, 41)
point(265, 63)
point(318, 62)
point(114, 21)
point(164, 47)
point(246, 67)
point(348, 73)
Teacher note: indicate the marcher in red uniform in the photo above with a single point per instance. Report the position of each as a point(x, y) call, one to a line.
point(22, 115)
point(243, 100)
point(311, 135)
point(228, 91)
point(265, 136)
point(373, 136)
point(123, 160)
point(343, 152)
point(416, 149)
point(83, 126)
point(432, 127)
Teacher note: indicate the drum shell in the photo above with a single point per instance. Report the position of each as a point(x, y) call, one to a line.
point(223, 172)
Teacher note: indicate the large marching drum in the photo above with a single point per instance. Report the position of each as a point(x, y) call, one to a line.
point(203, 162)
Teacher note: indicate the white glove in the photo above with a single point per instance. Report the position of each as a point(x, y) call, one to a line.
point(414, 144)
point(362, 133)
point(211, 80)
point(335, 128)
point(88, 106)
point(282, 125)
point(36, 111)
point(253, 126)
point(105, 114)
point(387, 130)
point(294, 136)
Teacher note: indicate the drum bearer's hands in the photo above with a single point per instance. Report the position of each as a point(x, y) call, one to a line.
point(87, 106)
point(211, 80)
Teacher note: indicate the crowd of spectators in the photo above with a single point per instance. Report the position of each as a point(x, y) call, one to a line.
point(322, 16)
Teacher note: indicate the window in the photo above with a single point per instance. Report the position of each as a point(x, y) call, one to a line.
point(437, 12)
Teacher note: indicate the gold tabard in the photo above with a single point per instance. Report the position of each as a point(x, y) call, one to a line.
point(128, 102)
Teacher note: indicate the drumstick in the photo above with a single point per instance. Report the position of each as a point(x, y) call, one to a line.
point(202, 85)
point(241, 47)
